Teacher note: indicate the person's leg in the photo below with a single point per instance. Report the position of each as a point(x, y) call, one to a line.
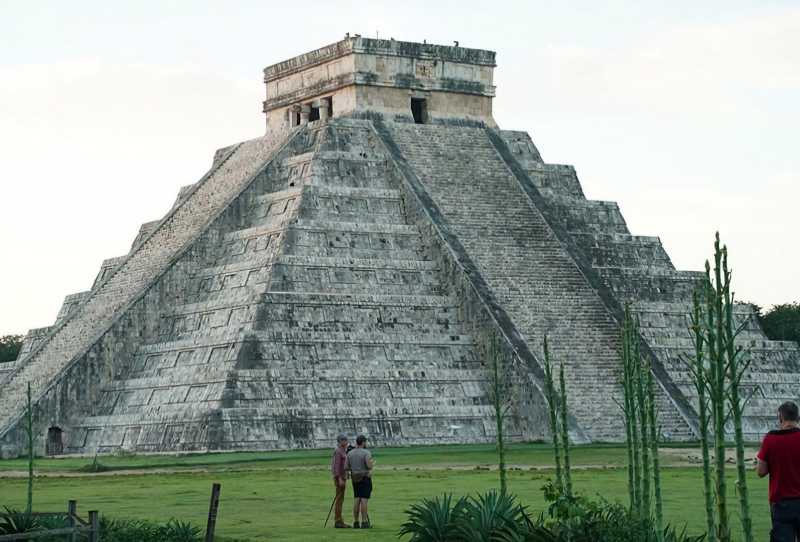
point(364, 514)
point(338, 502)
point(796, 515)
point(356, 508)
point(783, 528)
point(366, 494)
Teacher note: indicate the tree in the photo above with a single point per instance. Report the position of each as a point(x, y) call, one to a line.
point(9, 347)
point(782, 322)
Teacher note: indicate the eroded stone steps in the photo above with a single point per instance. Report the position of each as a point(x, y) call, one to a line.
point(182, 225)
point(523, 263)
point(315, 307)
point(356, 240)
point(324, 274)
point(362, 205)
point(662, 298)
point(622, 250)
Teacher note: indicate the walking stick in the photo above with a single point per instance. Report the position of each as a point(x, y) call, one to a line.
point(329, 512)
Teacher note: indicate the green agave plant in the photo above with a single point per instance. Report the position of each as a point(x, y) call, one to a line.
point(498, 517)
point(134, 530)
point(492, 517)
point(432, 520)
point(15, 521)
point(180, 531)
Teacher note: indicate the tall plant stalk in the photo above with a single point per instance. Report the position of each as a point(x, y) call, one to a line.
point(499, 410)
point(651, 423)
point(641, 400)
point(565, 433)
point(29, 431)
point(552, 402)
point(736, 369)
point(715, 344)
point(697, 368)
point(627, 408)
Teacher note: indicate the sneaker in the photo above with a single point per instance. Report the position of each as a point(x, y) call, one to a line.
point(341, 525)
point(366, 525)
point(356, 525)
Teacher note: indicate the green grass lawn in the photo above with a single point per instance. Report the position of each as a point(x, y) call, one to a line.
point(286, 495)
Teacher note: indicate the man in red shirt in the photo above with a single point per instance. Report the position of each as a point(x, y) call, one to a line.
point(780, 458)
point(339, 479)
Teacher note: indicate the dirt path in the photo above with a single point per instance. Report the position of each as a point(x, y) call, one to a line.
point(670, 458)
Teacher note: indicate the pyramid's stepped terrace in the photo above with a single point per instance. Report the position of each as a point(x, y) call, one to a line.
point(637, 270)
point(310, 307)
point(349, 271)
point(524, 264)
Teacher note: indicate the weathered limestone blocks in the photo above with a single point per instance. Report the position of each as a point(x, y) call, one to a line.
point(75, 337)
point(638, 270)
point(349, 271)
point(413, 82)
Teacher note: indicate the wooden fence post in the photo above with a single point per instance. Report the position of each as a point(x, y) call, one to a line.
point(94, 526)
point(212, 513)
point(72, 511)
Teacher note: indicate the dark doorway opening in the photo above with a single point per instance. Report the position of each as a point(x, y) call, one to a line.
point(55, 441)
point(419, 109)
point(313, 114)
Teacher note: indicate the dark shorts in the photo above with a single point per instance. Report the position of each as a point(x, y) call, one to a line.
point(363, 488)
point(785, 520)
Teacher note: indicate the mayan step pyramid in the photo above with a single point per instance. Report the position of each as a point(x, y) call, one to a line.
point(348, 272)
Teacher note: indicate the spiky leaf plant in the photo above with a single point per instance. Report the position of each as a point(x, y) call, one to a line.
point(492, 516)
point(179, 531)
point(14, 521)
point(433, 520)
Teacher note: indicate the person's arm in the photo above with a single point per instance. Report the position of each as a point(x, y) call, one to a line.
point(762, 467)
point(370, 462)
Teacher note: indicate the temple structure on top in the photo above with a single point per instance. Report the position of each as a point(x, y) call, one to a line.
point(359, 268)
point(423, 83)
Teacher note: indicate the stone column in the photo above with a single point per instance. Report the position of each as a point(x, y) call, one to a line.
point(293, 112)
point(323, 110)
point(305, 111)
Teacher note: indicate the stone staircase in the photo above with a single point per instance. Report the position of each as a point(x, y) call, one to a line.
point(528, 270)
point(295, 292)
point(356, 290)
point(637, 270)
point(76, 333)
point(321, 311)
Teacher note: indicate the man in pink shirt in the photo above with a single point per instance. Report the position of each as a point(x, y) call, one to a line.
point(339, 479)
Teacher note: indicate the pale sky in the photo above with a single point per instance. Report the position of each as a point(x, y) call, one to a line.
point(684, 112)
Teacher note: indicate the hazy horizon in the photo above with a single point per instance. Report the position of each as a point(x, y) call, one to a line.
point(686, 114)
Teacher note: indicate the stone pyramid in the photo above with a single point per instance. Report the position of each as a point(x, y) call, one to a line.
point(349, 271)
